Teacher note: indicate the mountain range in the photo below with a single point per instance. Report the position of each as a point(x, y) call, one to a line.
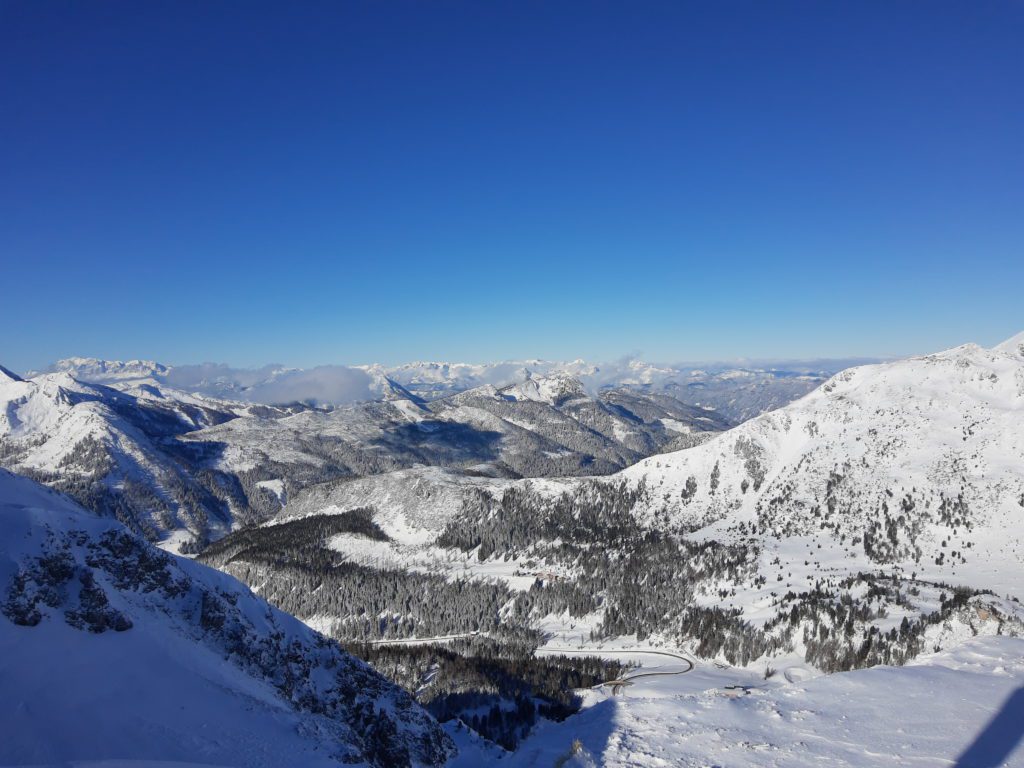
point(874, 517)
point(736, 391)
point(889, 501)
point(187, 468)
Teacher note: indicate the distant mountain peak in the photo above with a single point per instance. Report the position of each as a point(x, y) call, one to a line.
point(95, 369)
point(1012, 346)
point(8, 375)
point(392, 390)
point(553, 388)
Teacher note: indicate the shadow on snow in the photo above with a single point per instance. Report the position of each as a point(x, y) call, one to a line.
point(1000, 737)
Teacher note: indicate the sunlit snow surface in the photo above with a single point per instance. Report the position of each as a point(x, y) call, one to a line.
point(961, 708)
point(193, 679)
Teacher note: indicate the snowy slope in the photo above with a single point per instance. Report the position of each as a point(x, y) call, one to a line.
point(412, 506)
point(112, 450)
point(113, 650)
point(962, 707)
point(900, 464)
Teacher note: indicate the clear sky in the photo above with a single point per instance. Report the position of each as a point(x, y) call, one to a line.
point(348, 182)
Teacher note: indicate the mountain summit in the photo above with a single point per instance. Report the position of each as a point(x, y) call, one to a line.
point(914, 463)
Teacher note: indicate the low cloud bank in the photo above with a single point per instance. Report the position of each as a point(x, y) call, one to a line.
point(271, 384)
point(323, 385)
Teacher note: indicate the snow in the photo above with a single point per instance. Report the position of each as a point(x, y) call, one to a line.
point(162, 690)
point(411, 506)
point(518, 574)
point(543, 389)
point(1013, 346)
point(945, 424)
point(410, 410)
point(965, 702)
point(144, 694)
point(677, 426)
point(275, 486)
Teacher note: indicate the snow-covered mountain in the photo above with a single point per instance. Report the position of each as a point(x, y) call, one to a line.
point(185, 468)
point(906, 471)
point(98, 371)
point(323, 386)
point(896, 464)
point(542, 426)
point(113, 650)
point(431, 380)
point(875, 521)
point(874, 518)
point(116, 452)
point(736, 391)
point(916, 464)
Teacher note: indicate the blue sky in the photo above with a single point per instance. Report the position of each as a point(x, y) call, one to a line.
point(381, 181)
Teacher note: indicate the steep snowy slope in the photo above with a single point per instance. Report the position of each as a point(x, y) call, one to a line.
point(113, 650)
point(115, 452)
point(916, 464)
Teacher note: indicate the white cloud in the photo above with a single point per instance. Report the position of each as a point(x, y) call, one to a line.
point(323, 385)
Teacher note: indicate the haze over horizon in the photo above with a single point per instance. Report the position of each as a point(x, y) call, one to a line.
point(363, 183)
point(768, 361)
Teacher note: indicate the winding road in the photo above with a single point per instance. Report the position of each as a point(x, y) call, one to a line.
point(618, 685)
